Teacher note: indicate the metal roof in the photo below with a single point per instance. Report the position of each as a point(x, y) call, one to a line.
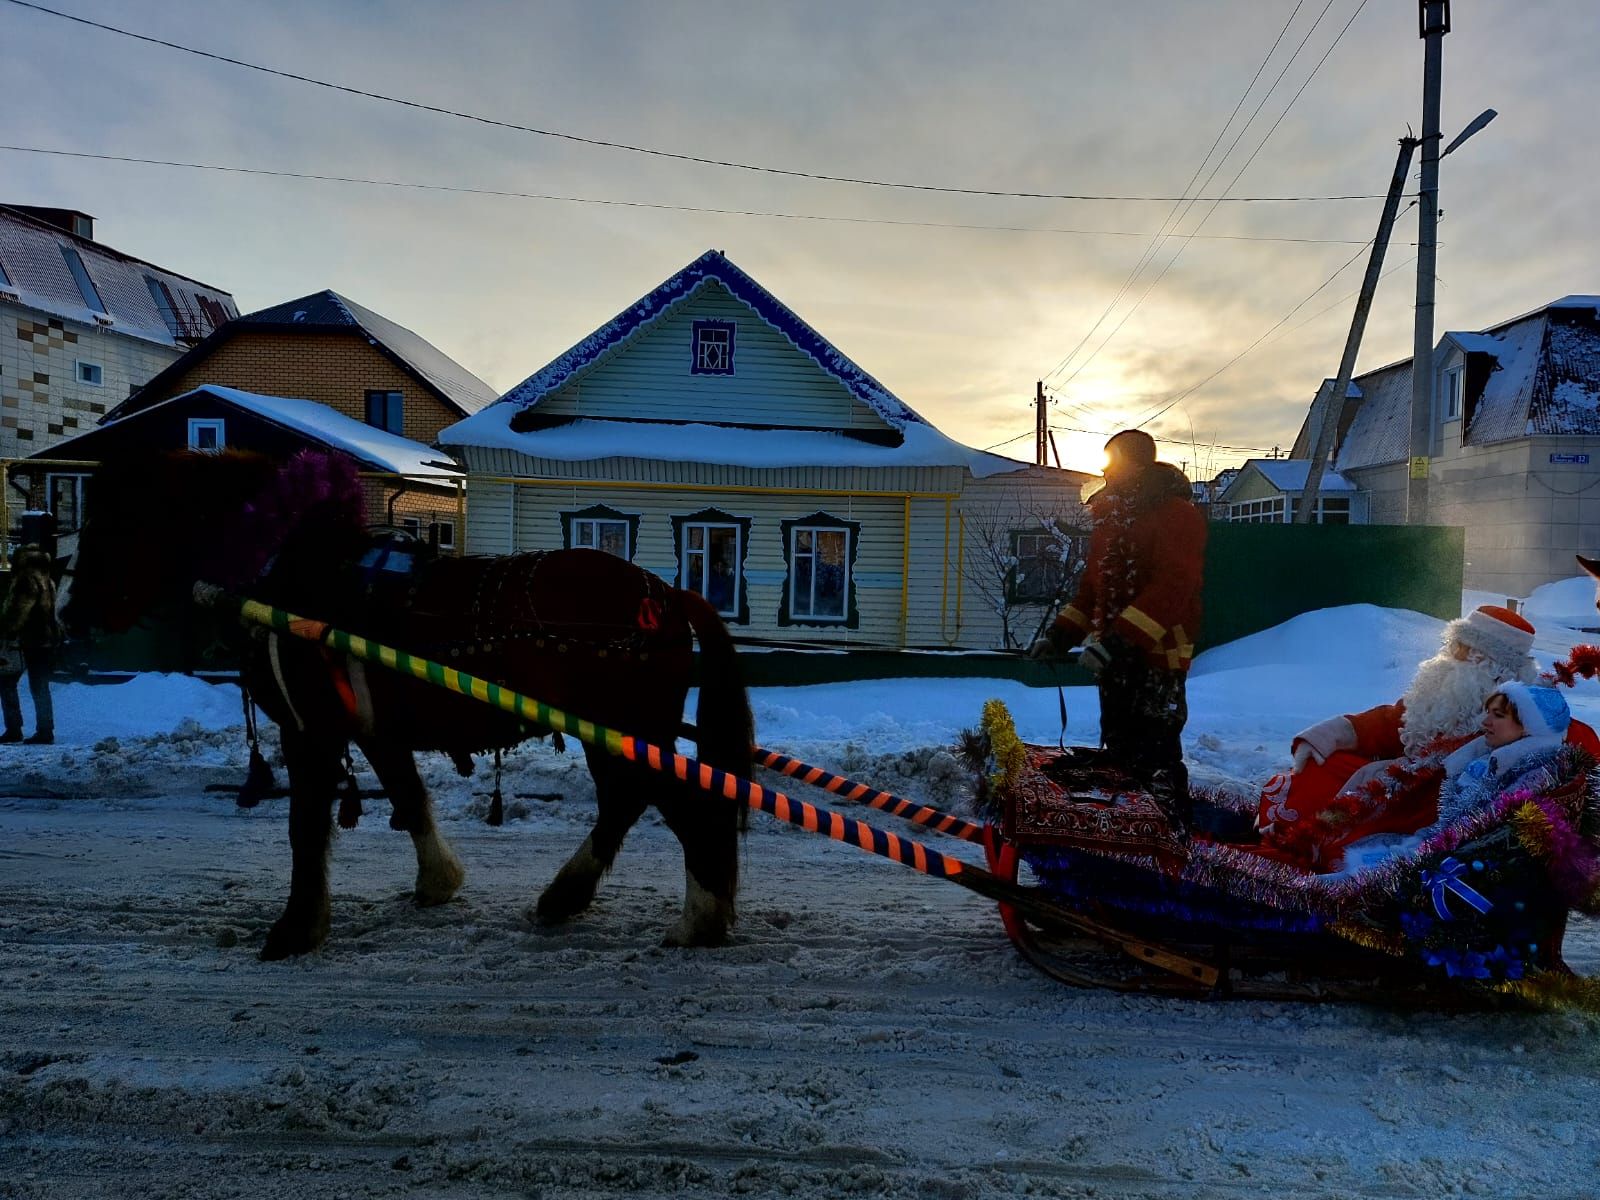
point(134, 297)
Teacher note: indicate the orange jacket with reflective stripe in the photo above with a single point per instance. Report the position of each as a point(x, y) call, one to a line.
point(1142, 581)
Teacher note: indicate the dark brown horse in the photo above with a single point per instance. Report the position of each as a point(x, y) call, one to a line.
point(582, 630)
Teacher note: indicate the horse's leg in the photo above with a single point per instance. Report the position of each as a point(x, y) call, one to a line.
point(439, 871)
point(314, 768)
point(708, 829)
point(617, 798)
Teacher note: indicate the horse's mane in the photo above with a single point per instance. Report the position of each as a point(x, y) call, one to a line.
point(311, 485)
point(226, 514)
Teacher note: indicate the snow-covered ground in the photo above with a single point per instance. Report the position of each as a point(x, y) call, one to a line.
point(868, 1031)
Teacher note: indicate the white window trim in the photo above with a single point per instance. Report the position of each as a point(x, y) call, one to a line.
point(1450, 402)
point(217, 423)
point(705, 562)
point(811, 614)
point(95, 369)
point(594, 524)
point(444, 543)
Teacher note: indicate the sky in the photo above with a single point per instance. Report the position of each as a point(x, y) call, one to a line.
point(1067, 97)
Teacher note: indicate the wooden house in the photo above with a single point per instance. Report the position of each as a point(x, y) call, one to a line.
point(710, 434)
point(406, 483)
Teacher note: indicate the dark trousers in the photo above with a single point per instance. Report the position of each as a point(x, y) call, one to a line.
point(1142, 713)
point(39, 663)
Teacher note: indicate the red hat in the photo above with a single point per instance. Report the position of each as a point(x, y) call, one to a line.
point(1495, 632)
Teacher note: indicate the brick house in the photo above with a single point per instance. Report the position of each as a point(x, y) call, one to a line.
point(321, 349)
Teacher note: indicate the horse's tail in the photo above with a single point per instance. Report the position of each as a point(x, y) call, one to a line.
point(726, 726)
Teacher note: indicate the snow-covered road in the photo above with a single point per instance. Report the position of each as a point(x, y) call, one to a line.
point(868, 1031)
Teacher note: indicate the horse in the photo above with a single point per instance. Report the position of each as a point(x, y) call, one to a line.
point(580, 629)
point(1592, 567)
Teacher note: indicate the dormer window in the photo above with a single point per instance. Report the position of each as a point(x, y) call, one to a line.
point(80, 276)
point(1452, 394)
point(713, 348)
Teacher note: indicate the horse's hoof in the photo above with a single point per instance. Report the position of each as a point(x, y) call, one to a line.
point(439, 886)
point(288, 940)
point(683, 935)
point(561, 901)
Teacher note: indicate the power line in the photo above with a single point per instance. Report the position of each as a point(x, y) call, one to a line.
point(1187, 392)
point(631, 147)
point(1155, 242)
point(601, 200)
point(1240, 172)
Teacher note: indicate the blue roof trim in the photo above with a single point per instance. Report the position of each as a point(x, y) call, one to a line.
point(712, 265)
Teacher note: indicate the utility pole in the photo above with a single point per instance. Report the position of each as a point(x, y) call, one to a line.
point(1334, 409)
point(1434, 24)
point(1041, 426)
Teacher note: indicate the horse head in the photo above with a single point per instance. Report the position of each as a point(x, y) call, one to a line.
point(1592, 566)
point(157, 525)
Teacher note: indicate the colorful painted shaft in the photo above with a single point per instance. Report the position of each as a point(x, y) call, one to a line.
point(860, 793)
point(811, 817)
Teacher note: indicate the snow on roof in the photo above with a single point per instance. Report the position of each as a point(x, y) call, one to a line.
point(669, 295)
point(383, 451)
point(1478, 343)
point(1545, 380)
point(328, 309)
point(1287, 475)
point(588, 439)
point(32, 258)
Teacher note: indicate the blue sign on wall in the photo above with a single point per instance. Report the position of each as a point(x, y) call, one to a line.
point(1581, 460)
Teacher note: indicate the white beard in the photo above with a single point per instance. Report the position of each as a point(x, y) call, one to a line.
point(1446, 698)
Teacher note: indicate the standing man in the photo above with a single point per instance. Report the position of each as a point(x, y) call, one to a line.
point(1137, 612)
point(29, 617)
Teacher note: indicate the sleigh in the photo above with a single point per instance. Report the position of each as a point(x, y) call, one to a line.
point(1474, 913)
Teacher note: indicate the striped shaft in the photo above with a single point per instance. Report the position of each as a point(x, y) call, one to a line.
point(860, 793)
point(810, 817)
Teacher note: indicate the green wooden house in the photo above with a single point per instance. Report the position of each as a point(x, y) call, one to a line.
point(711, 435)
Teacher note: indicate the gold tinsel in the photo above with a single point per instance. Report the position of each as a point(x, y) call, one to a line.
point(1554, 990)
point(1532, 828)
point(1368, 937)
point(1004, 744)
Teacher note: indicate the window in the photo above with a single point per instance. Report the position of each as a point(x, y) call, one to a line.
point(444, 534)
point(5, 280)
point(1331, 510)
point(1043, 561)
point(412, 525)
point(601, 528)
point(713, 348)
point(80, 274)
point(163, 301)
point(1452, 394)
point(90, 373)
point(207, 433)
point(1258, 512)
point(386, 411)
point(711, 548)
point(64, 498)
point(820, 590)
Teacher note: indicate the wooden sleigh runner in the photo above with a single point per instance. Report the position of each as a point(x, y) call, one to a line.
point(1472, 915)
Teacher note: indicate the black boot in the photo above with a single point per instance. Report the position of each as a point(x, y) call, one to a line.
point(11, 735)
point(42, 737)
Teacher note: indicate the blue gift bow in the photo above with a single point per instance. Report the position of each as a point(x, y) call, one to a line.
point(1447, 879)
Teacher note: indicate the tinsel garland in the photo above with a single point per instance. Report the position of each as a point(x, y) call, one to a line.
point(1555, 990)
point(1573, 861)
point(1006, 751)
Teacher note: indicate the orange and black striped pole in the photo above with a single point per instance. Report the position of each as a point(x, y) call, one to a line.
point(810, 817)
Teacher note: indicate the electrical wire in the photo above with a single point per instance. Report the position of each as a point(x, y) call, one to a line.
point(1238, 174)
point(600, 200)
point(630, 147)
point(1156, 241)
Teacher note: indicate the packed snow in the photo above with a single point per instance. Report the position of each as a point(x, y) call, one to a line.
point(868, 1031)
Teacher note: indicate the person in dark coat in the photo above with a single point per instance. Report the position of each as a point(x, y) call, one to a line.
point(1137, 612)
point(28, 620)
